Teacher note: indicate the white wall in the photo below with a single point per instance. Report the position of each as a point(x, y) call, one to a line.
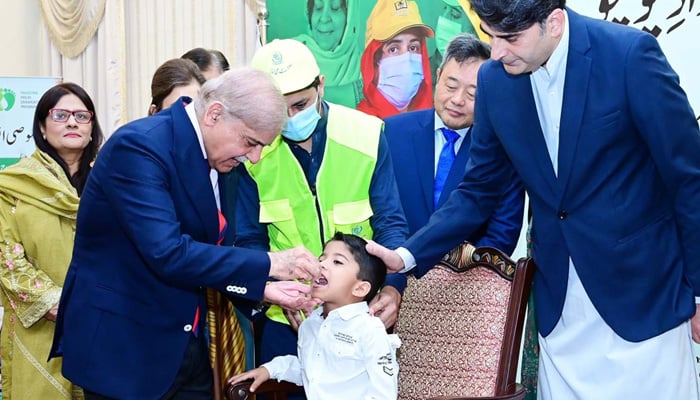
point(21, 38)
point(680, 44)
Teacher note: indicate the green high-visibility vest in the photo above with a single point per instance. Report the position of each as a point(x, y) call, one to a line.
point(293, 214)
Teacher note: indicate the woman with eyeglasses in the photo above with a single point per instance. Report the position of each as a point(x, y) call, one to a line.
point(38, 206)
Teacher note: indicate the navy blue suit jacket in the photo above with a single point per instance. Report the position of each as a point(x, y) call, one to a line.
point(624, 206)
point(411, 138)
point(145, 246)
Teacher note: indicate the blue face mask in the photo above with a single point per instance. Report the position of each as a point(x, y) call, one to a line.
point(302, 124)
point(445, 31)
point(399, 78)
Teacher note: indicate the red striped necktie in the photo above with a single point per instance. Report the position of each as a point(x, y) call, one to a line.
point(222, 234)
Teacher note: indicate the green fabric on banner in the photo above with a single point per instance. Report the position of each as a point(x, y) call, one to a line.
point(6, 162)
point(531, 352)
point(339, 60)
point(531, 346)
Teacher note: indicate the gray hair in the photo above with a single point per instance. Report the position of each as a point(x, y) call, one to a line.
point(464, 47)
point(248, 95)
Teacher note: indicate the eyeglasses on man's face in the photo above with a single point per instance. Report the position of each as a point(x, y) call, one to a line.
point(61, 115)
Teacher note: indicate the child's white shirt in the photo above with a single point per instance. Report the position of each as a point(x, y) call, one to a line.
point(347, 355)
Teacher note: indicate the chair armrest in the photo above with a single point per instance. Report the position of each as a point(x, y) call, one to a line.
point(519, 394)
point(275, 390)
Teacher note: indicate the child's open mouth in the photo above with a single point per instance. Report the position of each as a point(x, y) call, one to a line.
point(320, 281)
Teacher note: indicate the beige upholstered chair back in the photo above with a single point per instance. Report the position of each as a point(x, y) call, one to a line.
point(460, 325)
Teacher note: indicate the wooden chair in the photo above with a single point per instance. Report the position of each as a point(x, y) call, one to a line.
point(461, 326)
point(272, 389)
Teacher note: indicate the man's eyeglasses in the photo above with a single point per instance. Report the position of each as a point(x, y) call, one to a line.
point(61, 115)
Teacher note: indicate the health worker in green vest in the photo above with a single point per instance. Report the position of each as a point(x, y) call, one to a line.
point(329, 171)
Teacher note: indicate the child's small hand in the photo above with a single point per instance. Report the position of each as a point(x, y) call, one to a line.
point(258, 375)
point(295, 318)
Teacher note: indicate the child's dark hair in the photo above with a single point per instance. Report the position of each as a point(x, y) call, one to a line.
point(372, 269)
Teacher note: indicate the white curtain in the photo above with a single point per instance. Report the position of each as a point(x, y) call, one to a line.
point(72, 23)
point(134, 37)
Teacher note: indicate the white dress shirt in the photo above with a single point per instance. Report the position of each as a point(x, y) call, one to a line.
point(213, 174)
point(440, 139)
point(346, 356)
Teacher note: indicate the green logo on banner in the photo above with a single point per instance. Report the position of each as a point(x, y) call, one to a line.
point(7, 99)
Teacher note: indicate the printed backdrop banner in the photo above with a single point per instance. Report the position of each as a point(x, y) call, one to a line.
point(676, 25)
point(18, 99)
point(334, 30)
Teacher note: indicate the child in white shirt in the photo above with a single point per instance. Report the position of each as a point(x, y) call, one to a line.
point(344, 353)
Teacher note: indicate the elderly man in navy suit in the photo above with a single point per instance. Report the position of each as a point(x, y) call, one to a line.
point(591, 116)
point(132, 310)
point(430, 149)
